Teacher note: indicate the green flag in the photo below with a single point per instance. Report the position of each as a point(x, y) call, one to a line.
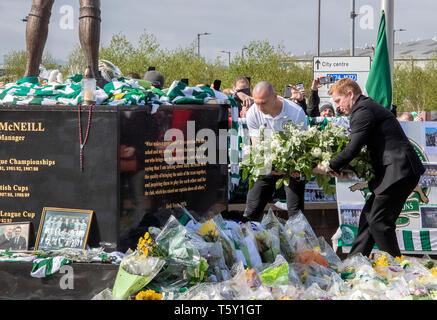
point(378, 84)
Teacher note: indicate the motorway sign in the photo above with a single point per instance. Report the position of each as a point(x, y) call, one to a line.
point(356, 68)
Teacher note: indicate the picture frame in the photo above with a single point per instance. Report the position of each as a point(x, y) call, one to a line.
point(61, 228)
point(14, 236)
point(428, 217)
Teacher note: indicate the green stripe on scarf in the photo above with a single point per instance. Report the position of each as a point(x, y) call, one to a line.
point(424, 239)
point(408, 240)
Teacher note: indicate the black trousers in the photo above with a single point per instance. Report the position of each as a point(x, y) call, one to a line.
point(263, 190)
point(378, 217)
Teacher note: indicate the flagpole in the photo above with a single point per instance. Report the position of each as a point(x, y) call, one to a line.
point(388, 7)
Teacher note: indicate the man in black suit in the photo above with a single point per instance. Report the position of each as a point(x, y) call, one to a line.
point(396, 165)
point(18, 242)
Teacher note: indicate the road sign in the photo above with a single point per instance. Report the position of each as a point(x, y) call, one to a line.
point(356, 68)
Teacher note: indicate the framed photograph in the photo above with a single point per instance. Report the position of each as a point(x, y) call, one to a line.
point(350, 213)
point(14, 236)
point(428, 217)
point(63, 228)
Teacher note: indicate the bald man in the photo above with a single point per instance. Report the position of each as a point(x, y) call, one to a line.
point(273, 112)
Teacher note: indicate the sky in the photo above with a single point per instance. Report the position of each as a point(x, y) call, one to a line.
point(232, 23)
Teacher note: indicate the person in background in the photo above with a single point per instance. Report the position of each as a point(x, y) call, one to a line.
point(133, 75)
point(298, 96)
point(271, 112)
point(155, 77)
point(242, 95)
point(327, 110)
point(405, 116)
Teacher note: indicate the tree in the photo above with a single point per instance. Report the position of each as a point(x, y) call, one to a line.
point(15, 64)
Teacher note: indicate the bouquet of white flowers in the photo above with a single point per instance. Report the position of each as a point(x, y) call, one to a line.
point(293, 150)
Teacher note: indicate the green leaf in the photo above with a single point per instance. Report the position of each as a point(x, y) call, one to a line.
point(287, 181)
point(244, 174)
point(279, 183)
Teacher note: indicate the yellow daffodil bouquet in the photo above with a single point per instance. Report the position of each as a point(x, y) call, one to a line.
point(138, 268)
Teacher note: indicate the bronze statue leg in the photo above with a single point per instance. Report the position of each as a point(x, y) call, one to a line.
point(89, 33)
point(36, 34)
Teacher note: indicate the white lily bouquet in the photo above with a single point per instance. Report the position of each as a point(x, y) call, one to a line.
point(293, 150)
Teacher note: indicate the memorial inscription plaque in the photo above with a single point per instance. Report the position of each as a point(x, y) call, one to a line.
point(126, 179)
point(40, 166)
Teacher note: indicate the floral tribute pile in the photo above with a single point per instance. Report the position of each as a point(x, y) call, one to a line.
point(274, 259)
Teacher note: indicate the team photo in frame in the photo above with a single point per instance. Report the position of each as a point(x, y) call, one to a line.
point(63, 228)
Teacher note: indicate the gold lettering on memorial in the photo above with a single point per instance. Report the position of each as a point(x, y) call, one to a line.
point(9, 216)
point(11, 138)
point(162, 178)
point(14, 164)
point(14, 191)
point(22, 126)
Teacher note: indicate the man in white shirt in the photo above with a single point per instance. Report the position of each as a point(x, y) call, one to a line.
point(273, 112)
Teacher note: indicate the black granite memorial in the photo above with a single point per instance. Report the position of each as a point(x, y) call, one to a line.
point(121, 174)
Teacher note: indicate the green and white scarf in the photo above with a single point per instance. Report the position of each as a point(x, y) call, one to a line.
point(36, 91)
point(48, 266)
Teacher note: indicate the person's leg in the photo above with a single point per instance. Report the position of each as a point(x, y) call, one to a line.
point(295, 193)
point(364, 241)
point(259, 196)
point(89, 34)
point(37, 28)
point(385, 211)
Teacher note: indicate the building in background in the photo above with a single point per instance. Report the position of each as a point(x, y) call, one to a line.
point(417, 53)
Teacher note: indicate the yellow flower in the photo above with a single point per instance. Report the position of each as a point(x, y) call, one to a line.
point(146, 235)
point(148, 295)
point(149, 241)
point(433, 271)
point(207, 227)
point(146, 251)
point(285, 298)
point(399, 259)
point(382, 261)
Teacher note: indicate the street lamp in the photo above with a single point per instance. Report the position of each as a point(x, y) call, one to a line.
point(242, 51)
point(198, 40)
point(318, 28)
point(394, 30)
point(353, 15)
point(229, 56)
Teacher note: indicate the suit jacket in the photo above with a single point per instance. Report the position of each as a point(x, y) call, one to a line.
point(392, 155)
point(21, 245)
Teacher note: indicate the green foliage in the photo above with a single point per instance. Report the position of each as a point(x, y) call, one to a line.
point(414, 86)
point(15, 64)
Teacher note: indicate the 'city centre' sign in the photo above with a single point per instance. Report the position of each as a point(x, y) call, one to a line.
point(356, 68)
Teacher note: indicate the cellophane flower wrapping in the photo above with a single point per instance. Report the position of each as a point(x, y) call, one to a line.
point(235, 235)
point(135, 272)
point(184, 262)
point(276, 273)
point(213, 253)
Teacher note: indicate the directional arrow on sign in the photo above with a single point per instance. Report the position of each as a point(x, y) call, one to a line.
point(318, 64)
